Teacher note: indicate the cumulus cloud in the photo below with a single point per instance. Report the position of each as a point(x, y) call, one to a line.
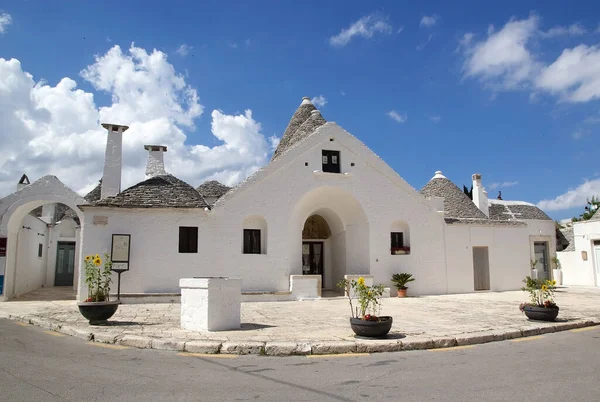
point(183, 50)
point(55, 129)
point(506, 60)
point(5, 21)
point(502, 59)
point(434, 118)
point(572, 30)
point(319, 101)
point(573, 198)
point(400, 118)
point(505, 184)
point(428, 21)
point(365, 27)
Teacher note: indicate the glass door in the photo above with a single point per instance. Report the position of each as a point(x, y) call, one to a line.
point(312, 258)
point(65, 264)
point(541, 255)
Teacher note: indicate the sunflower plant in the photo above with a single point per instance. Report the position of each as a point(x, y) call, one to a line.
point(98, 277)
point(368, 298)
point(541, 292)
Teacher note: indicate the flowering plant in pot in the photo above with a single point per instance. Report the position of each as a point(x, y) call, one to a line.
point(541, 305)
point(98, 308)
point(365, 319)
point(400, 281)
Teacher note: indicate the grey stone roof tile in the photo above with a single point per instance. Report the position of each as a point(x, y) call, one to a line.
point(520, 210)
point(95, 194)
point(457, 204)
point(565, 239)
point(212, 188)
point(292, 133)
point(163, 191)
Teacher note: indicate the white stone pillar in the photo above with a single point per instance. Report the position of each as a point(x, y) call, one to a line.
point(210, 304)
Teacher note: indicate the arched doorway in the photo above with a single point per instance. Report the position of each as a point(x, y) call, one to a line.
point(333, 236)
point(32, 249)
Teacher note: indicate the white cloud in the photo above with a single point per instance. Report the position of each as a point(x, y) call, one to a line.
point(505, 61)
point(422, 45)
point(428, 21)
point(572, 30)
point(573, 198)
point(502, 60)
point(5, 21)
point(505, 184)
point(400, 118)
point(365, 27)
point(434, 118)
point(400, 30)
point(575, 75)
point(577, 135)
point(55, 129)
point(183, 50)
point(319, 101)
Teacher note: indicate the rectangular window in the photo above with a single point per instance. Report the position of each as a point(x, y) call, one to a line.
point(251, 241)
point(40, 250)
point(397, 239)
point(188, 239)
point(331, 161)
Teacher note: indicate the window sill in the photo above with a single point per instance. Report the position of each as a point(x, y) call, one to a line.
point(322, 173)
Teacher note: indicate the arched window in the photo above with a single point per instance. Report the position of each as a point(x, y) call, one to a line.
point(399, 238)
point(254, 235)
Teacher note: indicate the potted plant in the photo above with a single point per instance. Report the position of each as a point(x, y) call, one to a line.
point(400, 250)
point(400, 281)
point(363, 319)
point(556, 272)
point(534, 271)
point(541, 306)
point(98, 308)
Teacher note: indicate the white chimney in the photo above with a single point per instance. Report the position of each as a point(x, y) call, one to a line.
point(156, 161)
point(111, 179)
point(480, 197)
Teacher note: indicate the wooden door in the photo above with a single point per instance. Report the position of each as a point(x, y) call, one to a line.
point(481, 268)
point(65, 264)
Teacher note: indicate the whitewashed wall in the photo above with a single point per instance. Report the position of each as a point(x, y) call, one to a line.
point(31, 270)
point(286, 192)
point(576, 271)
point(508, 251)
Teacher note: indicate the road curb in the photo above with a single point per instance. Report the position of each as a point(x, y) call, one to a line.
point(292, 348)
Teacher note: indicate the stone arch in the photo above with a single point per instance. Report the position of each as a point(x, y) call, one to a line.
point(19, 204)
point(346, 250)
point(256, 222)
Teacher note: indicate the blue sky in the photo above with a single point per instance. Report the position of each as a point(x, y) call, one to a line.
point(467, 88)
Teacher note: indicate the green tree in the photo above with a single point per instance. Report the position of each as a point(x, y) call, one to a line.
point(590, 209)
point(468, 192)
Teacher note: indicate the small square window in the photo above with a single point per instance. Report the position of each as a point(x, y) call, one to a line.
point(188, 239)
point(252, 241)
point(352, 164)
point(40, 250)
point(305, 163)
point(334, 157)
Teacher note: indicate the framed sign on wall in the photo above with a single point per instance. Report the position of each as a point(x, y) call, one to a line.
point(120, 251)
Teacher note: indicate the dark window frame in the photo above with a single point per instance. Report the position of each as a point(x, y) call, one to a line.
point(188, 239)
point(252, 241)
point(40, 250)
point(327, 161)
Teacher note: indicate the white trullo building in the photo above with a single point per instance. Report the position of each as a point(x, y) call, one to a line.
point(325, 206)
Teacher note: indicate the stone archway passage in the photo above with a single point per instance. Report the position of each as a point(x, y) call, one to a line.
point(15, 207)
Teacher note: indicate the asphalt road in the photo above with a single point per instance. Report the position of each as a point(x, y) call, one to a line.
point(36, 365)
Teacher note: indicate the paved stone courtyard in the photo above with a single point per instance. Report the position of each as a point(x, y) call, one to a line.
point(419, 322)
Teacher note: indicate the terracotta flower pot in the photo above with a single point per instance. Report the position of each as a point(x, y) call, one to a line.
point(402, 292)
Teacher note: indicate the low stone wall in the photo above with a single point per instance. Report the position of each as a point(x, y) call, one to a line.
point(305, 286)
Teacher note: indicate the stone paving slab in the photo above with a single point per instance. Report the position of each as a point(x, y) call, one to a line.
point(320, 326)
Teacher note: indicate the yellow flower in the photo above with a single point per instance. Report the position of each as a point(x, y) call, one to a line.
point(544, 288)
point(97, 257)
point(553, 283)
point(361, 281)
point(88, 257)
point(97, 262)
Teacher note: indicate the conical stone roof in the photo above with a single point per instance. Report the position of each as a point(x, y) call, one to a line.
point(292, 134)
point(456, 203)
point(212, 188)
